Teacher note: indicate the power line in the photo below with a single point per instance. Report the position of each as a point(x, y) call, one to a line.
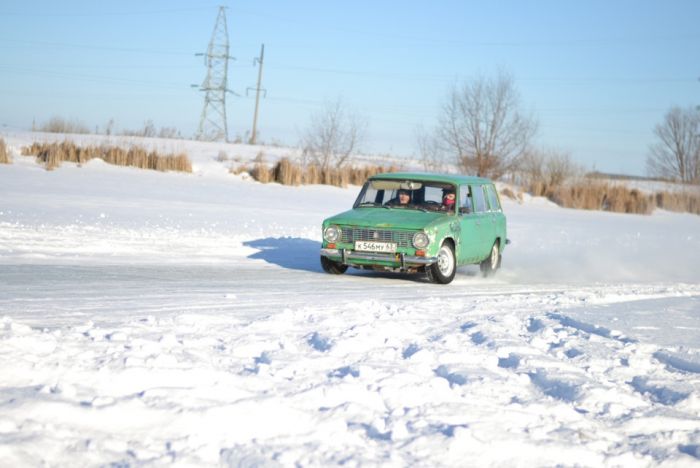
point(89, 78)
point(96, 47)
point(83, 13)
point(447, 42)
point(433, 77)
point(372, 74)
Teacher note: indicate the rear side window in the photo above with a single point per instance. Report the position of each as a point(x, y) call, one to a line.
point(465, 199)
point(493, 198)
point(479, 199)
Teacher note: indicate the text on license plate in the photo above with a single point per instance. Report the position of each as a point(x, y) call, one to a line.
point(366, 246)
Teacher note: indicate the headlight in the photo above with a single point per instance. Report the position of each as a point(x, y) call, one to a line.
point(420, 240)
point(331, 234)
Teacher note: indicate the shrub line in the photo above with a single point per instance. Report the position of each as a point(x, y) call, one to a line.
point(286, 172)
point(53, 154)
point(596, 195)
point(583, 194)
point(4, 154)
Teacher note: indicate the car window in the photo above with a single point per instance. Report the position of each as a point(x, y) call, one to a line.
point(370, 195)
point(465, 200)
point(493, 198)
point(423, 196)
point(478, 198)
point(433, 194)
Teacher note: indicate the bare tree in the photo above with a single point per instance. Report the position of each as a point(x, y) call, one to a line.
point(333, 135)
point(482, 127)
point(169, 132)
point(676, 153)
point(109, 128)
point(431, 154)
point(544, 169)
point(560, 167)
point(149, 129)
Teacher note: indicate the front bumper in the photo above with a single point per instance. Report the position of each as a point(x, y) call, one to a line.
point(398, 260)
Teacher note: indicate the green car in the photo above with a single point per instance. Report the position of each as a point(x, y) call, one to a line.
point(418, 222)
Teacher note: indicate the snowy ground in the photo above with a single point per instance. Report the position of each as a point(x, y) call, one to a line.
point(150, 318)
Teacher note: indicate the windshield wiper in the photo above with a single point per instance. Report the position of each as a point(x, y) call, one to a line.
point(367, 203)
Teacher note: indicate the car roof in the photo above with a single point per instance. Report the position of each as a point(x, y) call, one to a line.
point(432, 177)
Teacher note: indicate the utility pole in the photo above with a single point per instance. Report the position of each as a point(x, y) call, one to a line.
point(259, 60)
point(212, 123)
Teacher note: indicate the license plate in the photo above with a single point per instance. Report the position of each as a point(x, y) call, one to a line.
point(365, 246)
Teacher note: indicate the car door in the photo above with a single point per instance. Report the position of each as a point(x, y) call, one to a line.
point(498, 219)
point(484, 222)
point(469, 244)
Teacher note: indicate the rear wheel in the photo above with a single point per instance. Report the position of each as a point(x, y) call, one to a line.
point(492, 263)
point(443, 271)
point(332, 267)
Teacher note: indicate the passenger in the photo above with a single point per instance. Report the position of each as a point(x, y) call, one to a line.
point(448, 200)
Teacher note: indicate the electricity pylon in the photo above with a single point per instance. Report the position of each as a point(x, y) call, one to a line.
point(212, 123)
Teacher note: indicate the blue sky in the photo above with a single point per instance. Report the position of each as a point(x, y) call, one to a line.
point(597, 75)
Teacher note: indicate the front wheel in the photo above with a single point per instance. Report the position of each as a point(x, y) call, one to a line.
point(492, 263)
point(443, 271)
point(332, 267)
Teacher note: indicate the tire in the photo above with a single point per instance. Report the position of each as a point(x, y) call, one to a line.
point(443, 272)
point(332, 267)
point(492, 263)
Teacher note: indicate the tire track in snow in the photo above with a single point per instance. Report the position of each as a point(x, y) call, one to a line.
point(393, 375)
point(591, 368)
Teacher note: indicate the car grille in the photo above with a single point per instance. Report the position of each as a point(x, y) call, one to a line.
point(402, 238)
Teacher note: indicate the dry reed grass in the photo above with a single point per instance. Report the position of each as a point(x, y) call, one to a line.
point(4, 153)
point(53, 154)
point(508, 193)
point(594, 195)
point(61, 125)
point(555, 177)
point(580, 194)
point(590, 194)
point(686, 201)
point(286, 172)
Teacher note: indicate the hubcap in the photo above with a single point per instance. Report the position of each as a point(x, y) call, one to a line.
point(445, 261)
point(494, 257)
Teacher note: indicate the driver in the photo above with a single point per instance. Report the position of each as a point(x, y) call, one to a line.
point(404, 197)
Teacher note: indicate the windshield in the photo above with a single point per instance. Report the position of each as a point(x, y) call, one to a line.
point(407, 195)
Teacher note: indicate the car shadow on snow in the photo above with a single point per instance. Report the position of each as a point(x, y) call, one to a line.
point(296, 253)
point(418, 277)
point(288, 252)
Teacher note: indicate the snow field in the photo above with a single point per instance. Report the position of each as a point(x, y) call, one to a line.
point(321, 385)
point(150, 318)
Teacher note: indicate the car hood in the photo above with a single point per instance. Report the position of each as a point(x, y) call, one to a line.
point(396, 218)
